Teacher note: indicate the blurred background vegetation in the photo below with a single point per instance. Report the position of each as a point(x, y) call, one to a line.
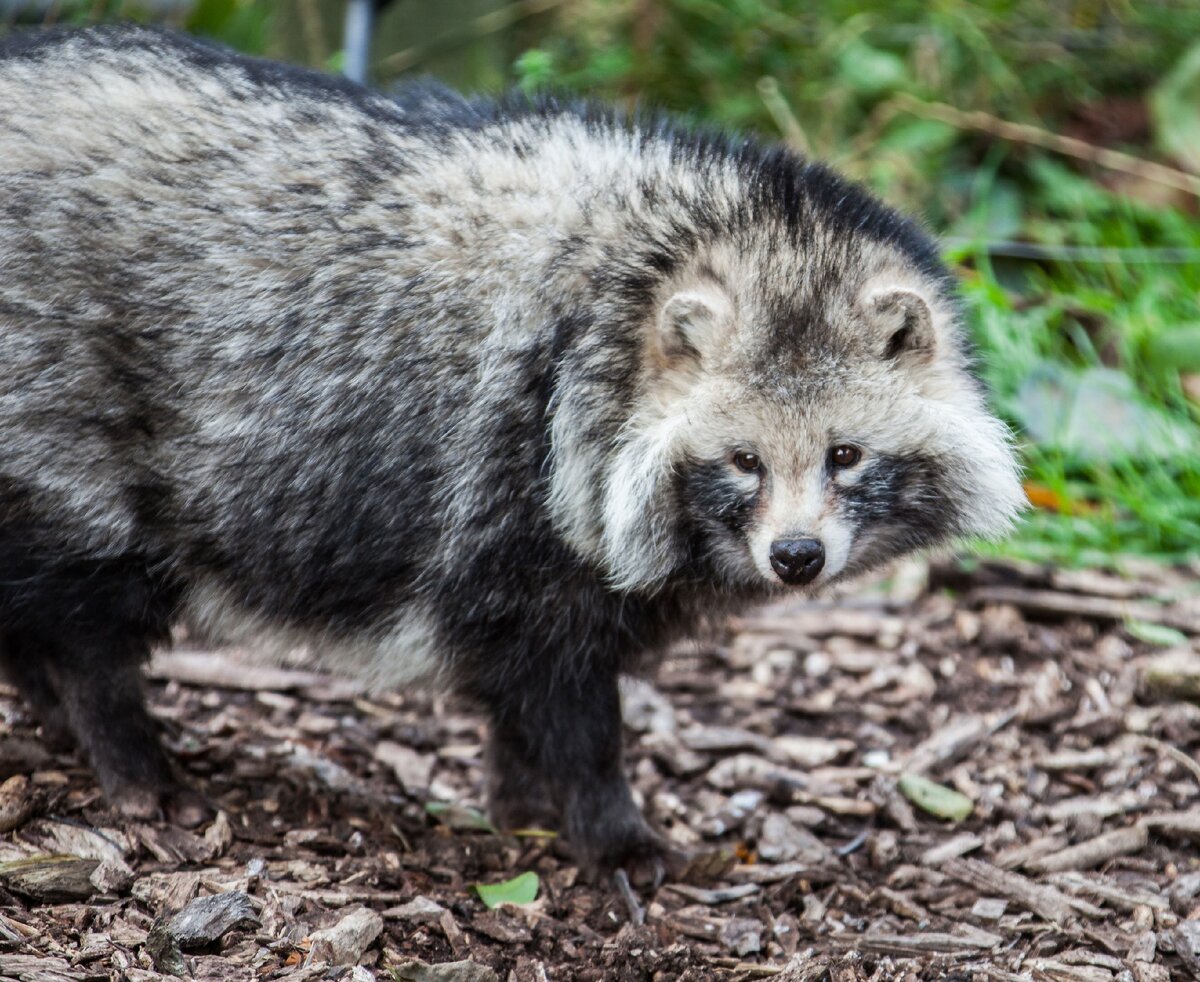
point(1054, 145)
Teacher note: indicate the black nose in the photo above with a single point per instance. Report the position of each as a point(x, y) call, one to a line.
point(797, 561)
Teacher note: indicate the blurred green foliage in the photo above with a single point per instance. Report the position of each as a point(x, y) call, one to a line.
point(1072, 261)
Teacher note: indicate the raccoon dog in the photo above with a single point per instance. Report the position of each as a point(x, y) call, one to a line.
point(504, 395)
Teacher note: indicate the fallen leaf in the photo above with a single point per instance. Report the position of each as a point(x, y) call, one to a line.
point(1156, 634)
point(521, 889)
point(1048, 499)
point(460, 817)
point(937, 799)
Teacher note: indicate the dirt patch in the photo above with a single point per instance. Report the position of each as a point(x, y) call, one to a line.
point(1051, 701)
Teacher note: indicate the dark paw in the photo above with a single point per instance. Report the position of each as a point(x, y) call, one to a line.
point(187, 808)
point(646, 859)
point(179, 806)
point(55, 734)
point(510, 814)
point(137, 804)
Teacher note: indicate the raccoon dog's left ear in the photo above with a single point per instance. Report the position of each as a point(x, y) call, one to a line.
point(905, 322)
point(691, 321)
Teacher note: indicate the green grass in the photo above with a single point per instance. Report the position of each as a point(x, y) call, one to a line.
point(1114, 313)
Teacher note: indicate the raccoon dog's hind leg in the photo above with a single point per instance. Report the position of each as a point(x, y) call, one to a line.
point(98, 683)
point(24, 666)
point(75, 635)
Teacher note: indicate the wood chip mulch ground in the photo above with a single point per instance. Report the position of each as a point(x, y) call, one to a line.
point(783, 756)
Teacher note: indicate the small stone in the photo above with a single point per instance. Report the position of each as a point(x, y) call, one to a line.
point(201, 923)
point(743, 803)
point(111, 877)
point(805, 751)
point(744, 771)
point(644, 709)
point(16, 802)
point(989, 908)
point(742, 936)
point(347, 941)
point(877, 759)
point(206, 919)
point(781, 841)
point(50, 879)
point(883, 848)
point(464, 971)
point(419, 910)
point(219, 835)
point(817, 664)
point(413, 770)
point(723, 739)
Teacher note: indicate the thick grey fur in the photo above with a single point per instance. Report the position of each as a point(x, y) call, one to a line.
point(443, 389)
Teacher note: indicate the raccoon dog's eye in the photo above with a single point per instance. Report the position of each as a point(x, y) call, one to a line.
point(844, 456)
point(746, 461)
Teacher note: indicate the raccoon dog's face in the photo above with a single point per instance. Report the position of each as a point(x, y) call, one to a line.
point(793, 437)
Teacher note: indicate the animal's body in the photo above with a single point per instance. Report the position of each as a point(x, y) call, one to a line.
point(502, 395)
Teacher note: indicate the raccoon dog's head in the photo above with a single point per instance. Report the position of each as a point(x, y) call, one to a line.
point(807, 412)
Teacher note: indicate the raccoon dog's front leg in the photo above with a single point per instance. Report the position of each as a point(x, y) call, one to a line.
point(555, 755)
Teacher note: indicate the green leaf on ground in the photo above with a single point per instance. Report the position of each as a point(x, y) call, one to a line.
point(533, 833)
point(1159, 634)
point(937, 799)
point(521, 889)
point(461, 817)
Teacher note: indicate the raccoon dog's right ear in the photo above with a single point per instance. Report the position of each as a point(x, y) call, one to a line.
point(906, 324)
point(690, 321)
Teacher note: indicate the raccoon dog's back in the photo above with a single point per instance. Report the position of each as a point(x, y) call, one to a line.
point(441, 387)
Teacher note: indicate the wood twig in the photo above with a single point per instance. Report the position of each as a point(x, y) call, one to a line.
point(1093, 852)
point(1036, 136)
point(1050, 602)
point(472, 30)
point(1120, 896)
point(1045, 901)
point(1182, 823)
point(1186, 761)
point(923, 943)
point(314, 34)
point(781, 114)
point(224, 670)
